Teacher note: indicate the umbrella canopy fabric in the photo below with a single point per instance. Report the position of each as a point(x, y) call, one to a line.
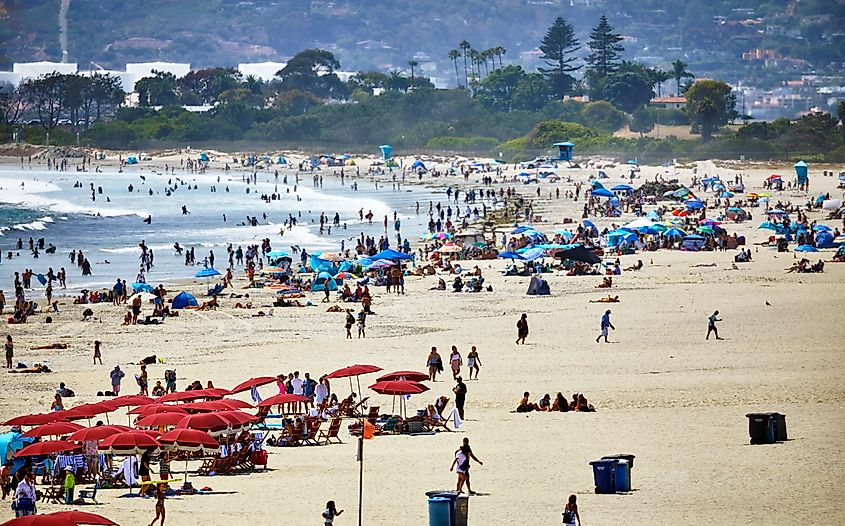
point(602, 192)
point(510, 255)
point(238, 418)
point(129, 400)
point(413, 376)
point(278, 254)
point(211, 422)
point(674, 232)
point(97, 433)
point(153, 409)
point(806, 248)
point(36, 419)
point(89, 410)
point(181, 396)
point(216, 405)
point(354, 370)
point(129, 443)
point(46, 448)
point(282, 398)
point(398, 387)
point(142, 287)
point(391, 254)
point(83, 517)
point(523, 228)
point(578, 253)
point(622, 188)
point(160, 419)
point(383, 263)
point(252, 382)
point(189, 440)
point(53, 429)
point(207, 272)
point(39, 520)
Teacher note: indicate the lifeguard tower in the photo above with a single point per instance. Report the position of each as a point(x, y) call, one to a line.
point(802, 171)
point(564, 152)
point(386, 152)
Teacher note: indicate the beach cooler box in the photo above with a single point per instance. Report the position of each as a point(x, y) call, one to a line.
point(259, 458)
point(604, 474)
point(630, 459)
point(764, 427)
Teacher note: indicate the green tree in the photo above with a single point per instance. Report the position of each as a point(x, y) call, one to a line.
point(605, 49)
point(642, 121)
point(602, 115)
point(840, 112)
point(413, 64)
point(313, 71)
point(454, 55)
point(204, 86)
point(532, 93)
point(13, 103)
point(47, 97)
point(628, 91)
point(108, 94)
point(679, 71)
point(158, 90)
point(500, 52)
point(660, 76)
point(496, 90)
point(465, 46)
point(559, 47)
point(709, 106)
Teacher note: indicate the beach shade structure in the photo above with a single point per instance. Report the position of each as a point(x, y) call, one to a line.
point(130, 400)
point(283, 398)
point(183, 396)
point(154, 409)
point(506, 254)
point(589, 225)
point(595, 184)
point(602, 192)
point(146, 297)
point(382, 263)
point(215, 405)
point(183, 299)
point(578, 253)
point(674, 232)
point(331, 256)
point(821, 228)
point(207, 272)
point(36, 419)
point(768, 225)
point(726, 194)
point(565, 234)
point(86, 411)
point(190, 440)
point(247, 385)
point(694, 204)
point(39, 520)
point(564, 151)
point(521, 229)
point(97, 433)
point(83, 517)
point(442, 235)
point(806, 248)
point(622, 188)
point(323, 281)
point(275, 254)
point(386, 152)
point(344, 275)
point(354, 370)
point(132, 442)
point(390, 254)
point(418, 165)
point(49, 447)
point(533, 253)
point(398, 388)
point(413, 376)
point(160, 420)
point(774, 177)
point(237, 419)
point(142, 287)
point(52, 429)
point(449, 249)
point(212, 423)
point(705, 230)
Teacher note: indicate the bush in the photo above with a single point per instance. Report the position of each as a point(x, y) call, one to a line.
point(670, 116)
point(602, 115)
point(547, 133)
point(461, 144)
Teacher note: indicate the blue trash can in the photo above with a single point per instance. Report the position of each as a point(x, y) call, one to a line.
point(630, 458)
point(439, 512)
point(622, 475)
point(604, 473)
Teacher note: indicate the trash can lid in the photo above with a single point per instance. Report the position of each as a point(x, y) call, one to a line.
point(438, 499)
point(604, 461)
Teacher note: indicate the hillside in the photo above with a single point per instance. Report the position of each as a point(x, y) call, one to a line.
point(711, 35)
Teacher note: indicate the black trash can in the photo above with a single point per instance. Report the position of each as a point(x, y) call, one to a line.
point(761, 427)
point(780, 427)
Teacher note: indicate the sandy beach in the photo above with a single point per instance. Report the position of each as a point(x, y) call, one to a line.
point(661, 392)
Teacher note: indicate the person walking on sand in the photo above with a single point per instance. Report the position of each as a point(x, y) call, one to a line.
point(460, 391)
point(473, 362)
point(350, 321)
point(461, 462)
point(455, 362)
point(330, 513)
point(605, 324)
point(522, 329)
point(159, 496)
point(10, 351)
point(97, 355)
point(711, 325)
point(116, 376)
point(570, 512)
point(434, 363)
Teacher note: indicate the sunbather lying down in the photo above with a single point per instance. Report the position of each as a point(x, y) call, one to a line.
point(37, 368)
point(606, 283)
point(607, 299)
point(334, 308)
point(50, 346)
point(703, 265)
point(239, 305)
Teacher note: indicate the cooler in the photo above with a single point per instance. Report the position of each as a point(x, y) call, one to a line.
point(604, 474)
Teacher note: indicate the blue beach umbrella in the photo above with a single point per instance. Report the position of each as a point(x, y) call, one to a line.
point(510, 255)
point(602, 192)
point(277, 254)
point(821, 228)
point(142, 287)
point(521, 229)
point(207, 273)
point(674, 232)
point(806, 248)
point(623, 188)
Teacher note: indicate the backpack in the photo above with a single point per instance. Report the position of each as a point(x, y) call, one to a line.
point(568, 517)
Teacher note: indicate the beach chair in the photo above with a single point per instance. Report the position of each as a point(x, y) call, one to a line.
point(372, 414)
point(53, 493)
point(86, 494)
point(355, 410)
point(208, 465)
point(326, 436)
point(389, 427)
point(313, 427)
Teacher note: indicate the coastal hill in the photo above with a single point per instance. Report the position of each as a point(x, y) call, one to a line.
point(721, 38)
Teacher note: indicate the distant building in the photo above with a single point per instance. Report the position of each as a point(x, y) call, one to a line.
point(31, 70)
point(264, 71)
point(672, 102)
point(145, 69)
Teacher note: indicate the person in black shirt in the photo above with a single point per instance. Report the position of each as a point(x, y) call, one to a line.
point(460, 391)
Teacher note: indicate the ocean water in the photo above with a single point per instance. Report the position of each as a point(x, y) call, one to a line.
point(38, 203)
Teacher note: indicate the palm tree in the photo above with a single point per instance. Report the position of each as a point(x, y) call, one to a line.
point(500, 52)
point(660, 76)
point(485, 55)
point(679, 71)
point(465, 47)
point(454, 55)
point(475, 61)
point(413, 64)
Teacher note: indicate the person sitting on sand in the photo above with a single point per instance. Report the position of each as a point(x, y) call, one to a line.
point(545, 403)
point(240, 305)
point(801, 266)
point(158, 390)
point(606, 283)
point(441, 284)
point(638, 266)
point(524, 405)
point(560, 403)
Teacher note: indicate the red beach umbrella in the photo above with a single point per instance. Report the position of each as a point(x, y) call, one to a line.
point(398, 387)
point(252, 382)
point(83, 517)
point(46, 448)
point(131, 400)
point(40, 520)
point(213, 423)
point(183, 396)
point(36, 419)
point(154, 409)
point(129, 443)
point(283, 398)
point(189, 440)
point(53, 429)
point(237, 418)
point(354, 370)
point(89, 410)
point(160, 419)
point(215, 405)
point(413, 376)
point(97, 433)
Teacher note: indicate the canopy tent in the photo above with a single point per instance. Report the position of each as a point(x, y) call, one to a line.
point(623, 188)
point(538, 286)
point(578, 253)
point(183, 299)
point(602, 192)
point(322, 281)
point(418, 164)
point(391, 255)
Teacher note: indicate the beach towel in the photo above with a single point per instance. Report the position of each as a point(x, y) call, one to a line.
point(456, 418)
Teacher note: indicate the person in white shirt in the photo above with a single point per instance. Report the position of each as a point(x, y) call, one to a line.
point(25, 497)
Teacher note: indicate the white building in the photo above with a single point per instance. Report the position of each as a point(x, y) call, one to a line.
point(127, 80)
point(264, 71)
point(31, 70)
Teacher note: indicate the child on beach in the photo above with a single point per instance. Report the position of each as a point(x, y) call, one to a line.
point(330, 513)
point(97, 355)
point(159, 496)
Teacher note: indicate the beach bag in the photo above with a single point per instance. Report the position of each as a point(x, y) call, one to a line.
point(23, 504)
point(568, 517)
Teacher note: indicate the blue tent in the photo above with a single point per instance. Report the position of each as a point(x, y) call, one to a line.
point(821, 228)
point(322, 281)
point(204, 157)
point(10, 443)
point(693, 242)
point(596, 185)
point(521, 229)
point(207, 273)
point(602, 192)
point(346, 266)
point(418, 164)
point(824, 239)
point(386, 152)
point(132, 160)
point(806, 248)
point(390, 254)
point(183, 299)
point(142, 287)
point(510, 255)
point(623, 188)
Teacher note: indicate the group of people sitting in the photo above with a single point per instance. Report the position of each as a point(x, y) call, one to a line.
point(804, 266)
point(579, 404)
point(744, 256)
